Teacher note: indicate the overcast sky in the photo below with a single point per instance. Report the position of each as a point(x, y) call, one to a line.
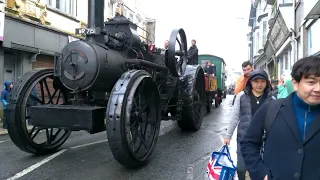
point(219, 26)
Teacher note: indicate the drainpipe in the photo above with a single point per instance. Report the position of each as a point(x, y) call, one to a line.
point(294, 53)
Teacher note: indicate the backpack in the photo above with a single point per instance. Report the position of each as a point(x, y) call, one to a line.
point(271, 114)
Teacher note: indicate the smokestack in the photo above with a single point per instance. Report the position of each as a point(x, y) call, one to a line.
point(95, 13)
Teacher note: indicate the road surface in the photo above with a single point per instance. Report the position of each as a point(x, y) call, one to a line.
point(178, 155)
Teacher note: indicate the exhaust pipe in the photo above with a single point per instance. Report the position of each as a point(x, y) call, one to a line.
point(95, 13)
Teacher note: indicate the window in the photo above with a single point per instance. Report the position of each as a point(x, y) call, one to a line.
point(287, 1)
point(65, 6)
point(265, 32)
point(313, 38)
point(110, 5)
point(257, 42)
point(131, 17)
point(286, 61)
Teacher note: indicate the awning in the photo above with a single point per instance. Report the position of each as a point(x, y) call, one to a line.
point(315, 12)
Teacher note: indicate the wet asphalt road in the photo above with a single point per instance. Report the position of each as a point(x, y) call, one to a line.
point(178, 155)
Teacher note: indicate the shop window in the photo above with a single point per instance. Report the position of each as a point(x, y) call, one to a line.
point(65, 6)
point(313, 38)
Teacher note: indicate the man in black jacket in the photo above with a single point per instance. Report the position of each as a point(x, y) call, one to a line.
point(292, 125)
point(193, 53)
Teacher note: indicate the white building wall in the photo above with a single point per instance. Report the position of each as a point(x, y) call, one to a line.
point(308, 42)
point(81, 14)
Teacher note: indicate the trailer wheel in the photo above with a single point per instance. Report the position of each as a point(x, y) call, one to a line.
point(133, 118)
point(209, 102)
point(23, 95)
point(193, 98)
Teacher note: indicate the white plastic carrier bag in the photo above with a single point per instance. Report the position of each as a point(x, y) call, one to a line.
point(220, 165)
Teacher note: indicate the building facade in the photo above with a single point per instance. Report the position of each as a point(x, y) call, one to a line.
point(293, 33)
point(32, 31)
point(259, 25)
point(307, 27)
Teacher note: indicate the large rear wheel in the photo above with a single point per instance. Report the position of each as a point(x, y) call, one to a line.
point(194, 99)
point(35, 88)
point(133, 118)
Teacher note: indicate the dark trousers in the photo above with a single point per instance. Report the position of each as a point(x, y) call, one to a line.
point(4, 121)
point(241, 167)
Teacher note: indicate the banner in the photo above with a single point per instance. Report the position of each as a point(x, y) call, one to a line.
point(1, 25)
point(72, 39)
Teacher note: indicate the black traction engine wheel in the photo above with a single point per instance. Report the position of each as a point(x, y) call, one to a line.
point(177, 53)
point(34, 88)
point(133, 118)
point(193, 97)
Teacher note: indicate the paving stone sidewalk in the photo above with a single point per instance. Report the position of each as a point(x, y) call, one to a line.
point(2, 131)
point(5, 132)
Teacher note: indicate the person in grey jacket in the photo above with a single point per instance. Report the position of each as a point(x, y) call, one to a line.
point(257, 92)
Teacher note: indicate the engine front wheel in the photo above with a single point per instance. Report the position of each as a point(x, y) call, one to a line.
point(133, 118)
point(35, 88)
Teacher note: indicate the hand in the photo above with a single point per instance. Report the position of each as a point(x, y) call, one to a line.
point(266, 177)
point(226, 141)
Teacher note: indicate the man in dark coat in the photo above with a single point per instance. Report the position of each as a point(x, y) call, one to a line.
point(292, 144)
point(257, 92)
point(193, 53)
point(208, 68)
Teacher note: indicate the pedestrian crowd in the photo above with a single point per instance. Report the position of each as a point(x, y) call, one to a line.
point(278, 123)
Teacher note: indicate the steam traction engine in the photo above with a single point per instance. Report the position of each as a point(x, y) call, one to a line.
point(109, 82)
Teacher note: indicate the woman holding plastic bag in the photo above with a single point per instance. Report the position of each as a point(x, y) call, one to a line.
point(257, 92)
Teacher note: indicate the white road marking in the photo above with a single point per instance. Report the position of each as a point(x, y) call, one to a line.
point(88, 144)
point(40, 163)
point(5, 141)
point(35, 166)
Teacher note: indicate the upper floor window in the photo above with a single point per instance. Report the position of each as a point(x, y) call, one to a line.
point(285, 1)
point(65, 6)
point(264, 32)
point(131, 17)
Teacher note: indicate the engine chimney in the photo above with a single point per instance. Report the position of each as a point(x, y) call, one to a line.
point(95, 13)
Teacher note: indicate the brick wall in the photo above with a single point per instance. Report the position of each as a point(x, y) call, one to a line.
point(44, 61)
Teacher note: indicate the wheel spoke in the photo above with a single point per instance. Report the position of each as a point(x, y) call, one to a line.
point(36, 99)
point(139, 126)
point(49, 95)
point(142, 141)
point(32, 130)
point(35, 134)
point(42, 92)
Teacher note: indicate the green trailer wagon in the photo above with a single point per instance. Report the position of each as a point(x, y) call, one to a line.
point(220, 77)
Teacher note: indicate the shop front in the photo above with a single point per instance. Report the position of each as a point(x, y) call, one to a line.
point(27, 46)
